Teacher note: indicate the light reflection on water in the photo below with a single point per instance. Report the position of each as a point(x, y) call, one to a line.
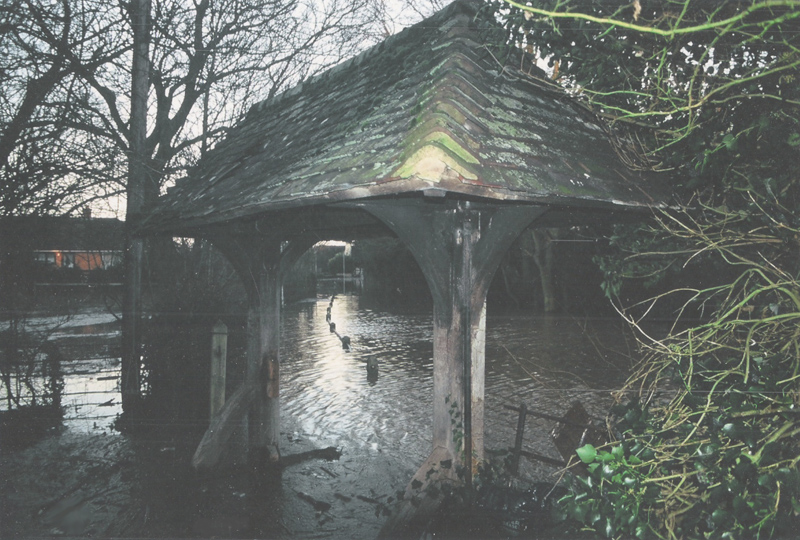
point(546, 362)
point(382, 425)
point(91, 397)
point(326, 389)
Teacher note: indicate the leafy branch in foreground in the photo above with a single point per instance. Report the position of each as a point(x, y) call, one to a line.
point(688, 79)
point(718, 458)
point(707, 90)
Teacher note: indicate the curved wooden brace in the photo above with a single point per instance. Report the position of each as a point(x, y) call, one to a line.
point(261, 261)
point(458, 246)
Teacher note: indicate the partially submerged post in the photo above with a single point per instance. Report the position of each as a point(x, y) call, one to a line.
point(523, 413)
point(219, 358)
point(424, 139)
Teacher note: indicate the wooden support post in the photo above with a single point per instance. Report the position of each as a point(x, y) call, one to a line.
point(275, 259)
point(261, 261)
point(256, 260)
point(263, 364)
point(523, 413)
point(458, 246)
point(219, 358)
point(478, 384)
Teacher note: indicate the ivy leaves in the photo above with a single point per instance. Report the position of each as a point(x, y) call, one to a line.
point(708, 464)
point(614, 497)
point(707, 91)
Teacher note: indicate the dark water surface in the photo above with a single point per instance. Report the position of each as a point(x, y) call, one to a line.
point(545, 362)
point(103, 483)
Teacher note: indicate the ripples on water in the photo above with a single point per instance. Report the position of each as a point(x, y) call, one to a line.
point(325, 388)
point(545, 362)
point(383, 425)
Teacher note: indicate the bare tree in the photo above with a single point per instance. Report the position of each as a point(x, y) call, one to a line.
point(68, 71)
point(42, 167)
point(65, 68)
point(210, 60)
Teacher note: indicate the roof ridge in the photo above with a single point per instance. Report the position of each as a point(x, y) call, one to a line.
point(464, 6)
point(431, 110)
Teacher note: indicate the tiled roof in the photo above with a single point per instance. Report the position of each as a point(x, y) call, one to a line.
point(429, 110)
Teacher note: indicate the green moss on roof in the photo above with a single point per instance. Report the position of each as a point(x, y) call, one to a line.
point(428, 103)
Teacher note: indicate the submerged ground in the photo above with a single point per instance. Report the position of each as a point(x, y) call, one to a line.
point(88, 479)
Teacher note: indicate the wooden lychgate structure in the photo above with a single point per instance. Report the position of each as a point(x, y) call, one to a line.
point(428, 137)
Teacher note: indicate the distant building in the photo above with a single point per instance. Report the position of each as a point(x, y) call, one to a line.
point(64, 242)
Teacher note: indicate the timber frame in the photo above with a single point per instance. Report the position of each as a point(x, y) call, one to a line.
point(425, 137)
point(458, 245)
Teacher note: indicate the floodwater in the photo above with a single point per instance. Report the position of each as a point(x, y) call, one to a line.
point(545, 362)
point(88, 479)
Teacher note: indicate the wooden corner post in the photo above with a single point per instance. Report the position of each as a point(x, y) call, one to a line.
point(458, 245)
point(253, 410)
point(219, 357)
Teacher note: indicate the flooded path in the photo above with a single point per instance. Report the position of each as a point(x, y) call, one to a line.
point(89, 480)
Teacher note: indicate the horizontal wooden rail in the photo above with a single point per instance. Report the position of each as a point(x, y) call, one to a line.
point(543, 459)
point(546, 416)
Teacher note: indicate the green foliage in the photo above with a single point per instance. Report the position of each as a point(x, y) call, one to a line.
point(718, 458)
point(635, 242)
point(706, 91)
point(613, 498)
point(711, 464)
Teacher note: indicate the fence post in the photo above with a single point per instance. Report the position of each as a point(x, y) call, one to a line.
point(219, 354)
point(523, 412)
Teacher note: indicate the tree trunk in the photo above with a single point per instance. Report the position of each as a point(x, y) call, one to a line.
point(134, 247)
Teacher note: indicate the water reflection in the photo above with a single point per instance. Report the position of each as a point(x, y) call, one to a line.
point(546, 362)
point(331, 395)
point(381, 420)
point(91, 399)
point(90, 396)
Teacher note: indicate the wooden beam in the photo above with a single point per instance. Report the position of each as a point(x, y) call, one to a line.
point(222, 427)
point(261, 261)
point(458, 246)
point(263, 362)
point(219, 358)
